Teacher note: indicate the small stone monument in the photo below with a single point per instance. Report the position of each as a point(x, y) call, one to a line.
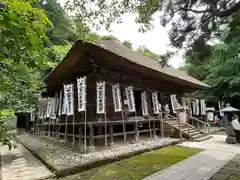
point(182, 114)
point(182, 118)
point(210, 114)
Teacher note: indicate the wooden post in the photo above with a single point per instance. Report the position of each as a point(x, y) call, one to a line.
point(111, 134)
point(124, 127)
point(73, 120)
point(73, 131)
point(162, 124)
point(49, 127)
point(154, 129)
point(149, 126)
point(85, 132)
point(53, 131)
point(189, 131)
point(91, 137)
point(59, 127)
point(179, 109)
point(66, 129)
point(80, 138)
point(136, 129)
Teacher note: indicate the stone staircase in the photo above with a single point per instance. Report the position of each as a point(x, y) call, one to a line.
point(188, 131)
point(192, 133)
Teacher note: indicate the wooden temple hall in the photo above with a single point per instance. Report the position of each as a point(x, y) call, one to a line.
point(105, 93)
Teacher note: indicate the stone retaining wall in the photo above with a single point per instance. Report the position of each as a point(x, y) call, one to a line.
point(63, 161)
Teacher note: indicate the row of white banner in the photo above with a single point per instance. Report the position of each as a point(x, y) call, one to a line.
point(65, 103)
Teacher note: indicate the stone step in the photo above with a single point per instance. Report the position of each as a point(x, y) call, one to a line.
point(182, 126)
point(197, 136)
point(202, 138)
point(187, 129)
point(192, 132)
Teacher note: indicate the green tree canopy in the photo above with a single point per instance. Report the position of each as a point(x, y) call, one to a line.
point(191, 22)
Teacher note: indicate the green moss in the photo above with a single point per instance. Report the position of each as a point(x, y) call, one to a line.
point(137, 167)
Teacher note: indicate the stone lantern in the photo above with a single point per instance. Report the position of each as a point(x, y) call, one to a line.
point(228, 113)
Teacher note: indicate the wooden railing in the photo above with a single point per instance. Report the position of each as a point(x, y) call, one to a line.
point(203, 124)
point(189, 126)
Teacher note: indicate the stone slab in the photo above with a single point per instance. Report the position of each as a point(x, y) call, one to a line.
point(231, 171)
point(200, 166)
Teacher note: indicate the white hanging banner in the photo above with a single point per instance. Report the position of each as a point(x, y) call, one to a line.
point(203, 107)
point(53, 109)
point(68, 93)
point(81, 89)
point(130, 98)
point(45, 108)
point(155, 103)
point(174, 102)
point(101, 97)
point(220, 109)
point(117, 101)
point(64, 102)
point(42, 108)
point(194, 108)
point(49, 107)
point(144, 104)
point(60, 103)
point(197, 107)
point(189, 106)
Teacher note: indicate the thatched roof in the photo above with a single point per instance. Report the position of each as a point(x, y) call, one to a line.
point(120, 55)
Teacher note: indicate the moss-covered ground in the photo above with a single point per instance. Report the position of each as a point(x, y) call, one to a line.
point(137, 167)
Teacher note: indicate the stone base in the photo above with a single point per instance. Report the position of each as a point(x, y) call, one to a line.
point(91, 149)
point(231, 140)
point(111, 143)
point(230, 131)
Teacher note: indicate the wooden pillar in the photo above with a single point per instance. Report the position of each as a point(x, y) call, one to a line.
point(136, 130)
point(111, 134)
point(80, 138)
point(91, 137)
point(49, 121)
point(162, 125)
point(59, 126)
point(154, 129)
point(66, 129)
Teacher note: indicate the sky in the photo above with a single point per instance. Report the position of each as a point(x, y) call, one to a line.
point(155, 39)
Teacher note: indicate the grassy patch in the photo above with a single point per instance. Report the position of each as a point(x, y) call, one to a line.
point(137, 167)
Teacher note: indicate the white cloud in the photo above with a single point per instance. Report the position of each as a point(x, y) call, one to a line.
point(156, 39)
